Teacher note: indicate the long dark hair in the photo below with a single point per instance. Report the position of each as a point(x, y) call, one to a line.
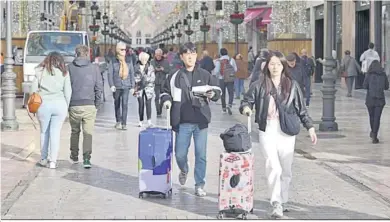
point(286, 80)
point(54, 60)
point(375, 67)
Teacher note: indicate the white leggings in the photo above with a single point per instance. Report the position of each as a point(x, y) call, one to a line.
point(278, 151)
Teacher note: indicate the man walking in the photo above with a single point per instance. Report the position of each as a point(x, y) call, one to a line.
point(207, 62)
point(308, 67)
point(225, 69)
point(190, 114)
point(161, 70)
point(296, 71)
point(87, 88)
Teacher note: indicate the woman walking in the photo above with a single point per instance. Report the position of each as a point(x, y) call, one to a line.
point(279, 105)
point(349, 70)
point(121, 81)
point(144, 87)
point(376, 82)
point(241, 75)
point(52, 82)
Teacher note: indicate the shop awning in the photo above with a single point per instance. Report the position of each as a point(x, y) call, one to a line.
point(253, 13)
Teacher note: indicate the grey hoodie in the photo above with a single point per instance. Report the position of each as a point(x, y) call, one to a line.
point(87, 83)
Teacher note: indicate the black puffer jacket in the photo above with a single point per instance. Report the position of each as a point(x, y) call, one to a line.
point(376, 83)
point(256, 96)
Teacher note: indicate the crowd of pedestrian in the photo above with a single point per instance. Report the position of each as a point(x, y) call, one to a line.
point(279, 92)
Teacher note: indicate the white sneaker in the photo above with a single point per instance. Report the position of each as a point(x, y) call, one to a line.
point(150, 124)
point(43, 163)
point(140, 124)
point(52, 165)
point(277, 211)
point(199, 191)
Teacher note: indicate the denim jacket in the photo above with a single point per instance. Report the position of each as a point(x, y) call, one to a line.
point(113, 75)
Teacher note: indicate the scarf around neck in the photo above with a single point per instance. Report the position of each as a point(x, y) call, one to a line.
point(123, 69)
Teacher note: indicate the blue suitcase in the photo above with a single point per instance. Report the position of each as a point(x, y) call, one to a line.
point(155, 161)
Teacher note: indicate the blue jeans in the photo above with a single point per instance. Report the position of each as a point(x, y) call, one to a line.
point(307, 89)
point(182, 144)
point(121, 98)
point(239, 86)
point(51, 116)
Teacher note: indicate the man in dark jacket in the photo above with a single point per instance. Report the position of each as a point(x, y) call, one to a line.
point(161, 71)
point(121, 83)
point(308, 67)
point(190, 113)
point(87, 88)
point(207, 62)
point(296, 71)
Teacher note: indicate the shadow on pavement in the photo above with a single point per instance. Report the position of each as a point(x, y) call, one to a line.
point(185, 200)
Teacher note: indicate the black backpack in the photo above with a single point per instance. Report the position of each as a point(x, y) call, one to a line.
point(236, 139)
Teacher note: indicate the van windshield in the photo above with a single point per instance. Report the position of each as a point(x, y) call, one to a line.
point(42, 43)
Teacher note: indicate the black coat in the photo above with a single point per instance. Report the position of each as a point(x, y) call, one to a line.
point(376, 83)
point(256, 96)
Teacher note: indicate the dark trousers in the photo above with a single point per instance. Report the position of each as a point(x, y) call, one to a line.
point(375, 113)
point(230, 88)
point(142, 101)
point(121, 98)
point(307, 89)
point(359, 79)
point(157, 92)
point(349, 82)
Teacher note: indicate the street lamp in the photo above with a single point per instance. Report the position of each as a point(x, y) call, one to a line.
point(105, 31)
point(172, 35)
point(9, 122)
point(95, 16)
point(111, 25)
point(178, 34)
point(328, 122)
point(236, 19)
point(189, 31)
point(204, 27)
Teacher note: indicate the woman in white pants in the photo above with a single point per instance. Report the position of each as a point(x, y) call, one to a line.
point(277, 137)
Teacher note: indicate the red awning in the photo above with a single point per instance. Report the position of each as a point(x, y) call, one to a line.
point(253, 13)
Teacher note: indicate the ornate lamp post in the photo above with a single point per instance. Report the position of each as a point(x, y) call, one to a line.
point(178, 34)
point(204, 27)
point(172, 35)
point(94, 27)
point(105, 31)
point(112, 25)
point(9, 122)
point(236, 19)
point(328, 122)
point(188, 31)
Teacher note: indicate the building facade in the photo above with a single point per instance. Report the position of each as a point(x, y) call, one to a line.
point(355, 25)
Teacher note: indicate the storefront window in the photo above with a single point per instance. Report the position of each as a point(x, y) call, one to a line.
point(386, 36)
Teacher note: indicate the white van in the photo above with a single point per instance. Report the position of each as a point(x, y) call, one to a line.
point(40, 43)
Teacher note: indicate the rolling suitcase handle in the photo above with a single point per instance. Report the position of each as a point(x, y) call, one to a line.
point(249, 125)
point(168, 117)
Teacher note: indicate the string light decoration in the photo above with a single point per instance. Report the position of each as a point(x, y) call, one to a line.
point(289, 16)
point(26, 16)
point(228, 28)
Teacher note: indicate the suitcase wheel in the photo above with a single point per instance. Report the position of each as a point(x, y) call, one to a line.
point(142, 195)
point(164, 196)
point(251, 211)
point(244, 216)
point(220, 215)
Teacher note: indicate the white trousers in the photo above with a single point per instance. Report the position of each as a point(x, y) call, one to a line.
point(278, 150)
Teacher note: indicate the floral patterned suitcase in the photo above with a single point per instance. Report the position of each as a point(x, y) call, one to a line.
point(236, 184)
